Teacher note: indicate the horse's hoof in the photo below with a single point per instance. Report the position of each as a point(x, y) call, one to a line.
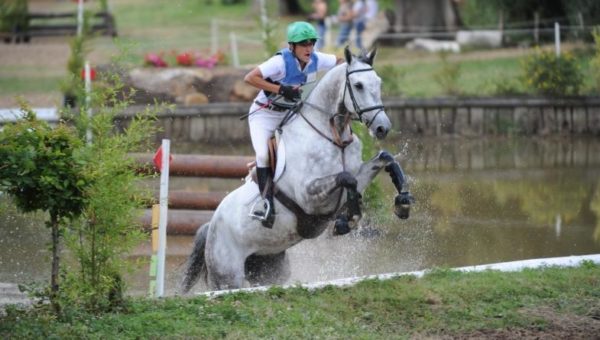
point(341, 226)
point(402, 205)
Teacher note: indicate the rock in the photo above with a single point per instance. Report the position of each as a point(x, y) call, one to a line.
point(188, 85)
point(242, 92)
point(482, 38)
point(195, 99)
point(432, 45)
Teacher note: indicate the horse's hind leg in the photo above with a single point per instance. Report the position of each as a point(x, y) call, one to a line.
point(196, 265)
point(267, 269)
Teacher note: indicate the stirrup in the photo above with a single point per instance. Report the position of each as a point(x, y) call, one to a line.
point(260, 215)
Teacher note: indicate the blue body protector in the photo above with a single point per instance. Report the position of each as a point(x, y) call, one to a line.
point(293, 76)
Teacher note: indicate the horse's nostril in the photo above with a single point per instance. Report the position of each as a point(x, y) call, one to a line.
point(381, 132)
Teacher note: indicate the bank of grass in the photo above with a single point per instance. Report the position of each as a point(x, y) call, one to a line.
point(442, 302)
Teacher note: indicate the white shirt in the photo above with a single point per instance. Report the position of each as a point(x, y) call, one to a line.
point(372, 9)
point(274, 68)
point(360, 11)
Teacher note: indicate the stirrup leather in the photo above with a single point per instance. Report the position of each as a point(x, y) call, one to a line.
point(260, 215)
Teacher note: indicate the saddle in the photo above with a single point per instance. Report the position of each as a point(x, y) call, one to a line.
point(308, 226)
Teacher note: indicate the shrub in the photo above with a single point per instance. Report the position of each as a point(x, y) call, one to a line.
point(391, 77)
point(595, 62)
point(545, 73)
point(447, 76)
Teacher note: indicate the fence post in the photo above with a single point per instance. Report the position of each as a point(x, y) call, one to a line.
point(234, 50)
point(557, 38)
point(162, 219)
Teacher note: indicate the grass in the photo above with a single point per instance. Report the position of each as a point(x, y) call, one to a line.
point(167, 27)
point(443, 302)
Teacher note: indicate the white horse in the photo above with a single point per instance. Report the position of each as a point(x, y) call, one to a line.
point(318, 180)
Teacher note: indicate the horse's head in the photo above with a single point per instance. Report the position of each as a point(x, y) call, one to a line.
point(363, 97)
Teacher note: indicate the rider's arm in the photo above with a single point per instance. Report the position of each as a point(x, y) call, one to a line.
point(255, 78)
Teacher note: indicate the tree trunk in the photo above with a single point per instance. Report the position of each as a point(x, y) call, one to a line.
point(54, 225)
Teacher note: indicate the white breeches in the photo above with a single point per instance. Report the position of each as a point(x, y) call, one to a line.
point(262, 126)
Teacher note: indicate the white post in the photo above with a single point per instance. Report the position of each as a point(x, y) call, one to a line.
point(79, 17)
point(557, 38)
point(328, 38)
point(264, 21)
point(234, 49)
point(162, 220)
point(87, 74)
point(214, 36)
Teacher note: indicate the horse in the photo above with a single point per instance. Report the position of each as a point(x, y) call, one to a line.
point(319, 180)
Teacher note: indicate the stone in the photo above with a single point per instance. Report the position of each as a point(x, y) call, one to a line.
point(243, 92)
point(195, 99)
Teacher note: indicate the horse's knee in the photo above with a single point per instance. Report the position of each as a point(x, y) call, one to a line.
point(385, 156)
point(346, 180)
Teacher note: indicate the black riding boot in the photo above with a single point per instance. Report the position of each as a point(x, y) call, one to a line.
point(265, 185)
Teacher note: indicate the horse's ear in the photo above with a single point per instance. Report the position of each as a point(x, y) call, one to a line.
point(371, 56)
point(348, 54)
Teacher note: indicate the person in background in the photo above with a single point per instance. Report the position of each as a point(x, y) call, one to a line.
point(359, 18)
point(279, 80)
point(344, 17)
point(319, 14)
point(372, 10)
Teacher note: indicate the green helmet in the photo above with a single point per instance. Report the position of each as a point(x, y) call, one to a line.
point(299, 31)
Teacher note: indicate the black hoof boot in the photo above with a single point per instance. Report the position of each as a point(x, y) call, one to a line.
point(402, 204)
point(341, 226)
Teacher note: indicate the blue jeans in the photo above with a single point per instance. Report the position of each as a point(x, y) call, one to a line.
point(321, 32)
point(345, 28)
point(360, 28)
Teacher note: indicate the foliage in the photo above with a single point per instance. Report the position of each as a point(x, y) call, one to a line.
point(595, 62)
point(108, 226)
point(41, 170)
point(269, 28)
point(547, 74)
point(447, 77)
point(442, 304)
point(13, 14)
point(73, 85)
point(391, 79)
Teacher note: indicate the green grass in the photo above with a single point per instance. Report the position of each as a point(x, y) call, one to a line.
point(441, 303)
point(32, 84)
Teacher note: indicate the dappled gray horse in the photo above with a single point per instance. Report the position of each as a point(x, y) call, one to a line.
point(319, 178)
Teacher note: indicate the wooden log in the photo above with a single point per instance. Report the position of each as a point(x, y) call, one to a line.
point(203, 165)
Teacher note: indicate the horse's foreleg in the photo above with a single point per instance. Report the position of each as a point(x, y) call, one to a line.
point(384, 160)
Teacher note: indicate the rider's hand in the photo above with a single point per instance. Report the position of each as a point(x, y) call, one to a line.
point(290, 93)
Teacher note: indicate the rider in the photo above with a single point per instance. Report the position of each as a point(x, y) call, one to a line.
point(280, 78)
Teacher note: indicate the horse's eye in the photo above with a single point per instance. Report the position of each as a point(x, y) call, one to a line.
point(359, 86)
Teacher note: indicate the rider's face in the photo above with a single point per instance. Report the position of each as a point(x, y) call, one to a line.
point(303, 50)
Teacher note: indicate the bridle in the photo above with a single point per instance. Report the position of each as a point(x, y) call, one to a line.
point(357, 108)
point(347, 88)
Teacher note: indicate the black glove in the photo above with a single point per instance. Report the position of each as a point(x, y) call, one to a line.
point(290, 93)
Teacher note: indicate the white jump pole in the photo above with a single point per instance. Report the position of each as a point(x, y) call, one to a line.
point(162, 220)
point(87, 74)
point(79, 17)
point(557, 38)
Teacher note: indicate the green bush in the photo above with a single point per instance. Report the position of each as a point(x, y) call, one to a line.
point(595, 62)
point(13, 14)
point(391, 77)
point(545, 73)
point(448, 76)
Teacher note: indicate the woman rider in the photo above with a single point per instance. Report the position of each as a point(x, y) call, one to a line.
point(281, 77)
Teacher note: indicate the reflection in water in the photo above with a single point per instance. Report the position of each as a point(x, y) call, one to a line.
point(478, 201)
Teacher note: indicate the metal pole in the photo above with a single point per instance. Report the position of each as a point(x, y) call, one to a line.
point(234, 49)
point(214, 36)
point(88, 90)
point(557, 38)
point(79, 17)
point(162, 220)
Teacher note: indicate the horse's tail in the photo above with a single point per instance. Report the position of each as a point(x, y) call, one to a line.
point(196, 265)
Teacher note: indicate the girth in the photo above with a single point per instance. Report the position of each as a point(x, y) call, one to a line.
point(308, 226)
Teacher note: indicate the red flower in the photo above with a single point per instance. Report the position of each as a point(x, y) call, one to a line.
point(155, 60)
point(185, 59)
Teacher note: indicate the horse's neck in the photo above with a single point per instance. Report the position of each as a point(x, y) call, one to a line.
point(325, 98)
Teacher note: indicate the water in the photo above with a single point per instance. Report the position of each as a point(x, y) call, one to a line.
point(478, 201)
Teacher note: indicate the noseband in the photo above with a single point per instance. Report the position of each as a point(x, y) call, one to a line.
point(357, 108)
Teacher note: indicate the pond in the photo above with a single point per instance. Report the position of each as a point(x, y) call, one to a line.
point(479, 201)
